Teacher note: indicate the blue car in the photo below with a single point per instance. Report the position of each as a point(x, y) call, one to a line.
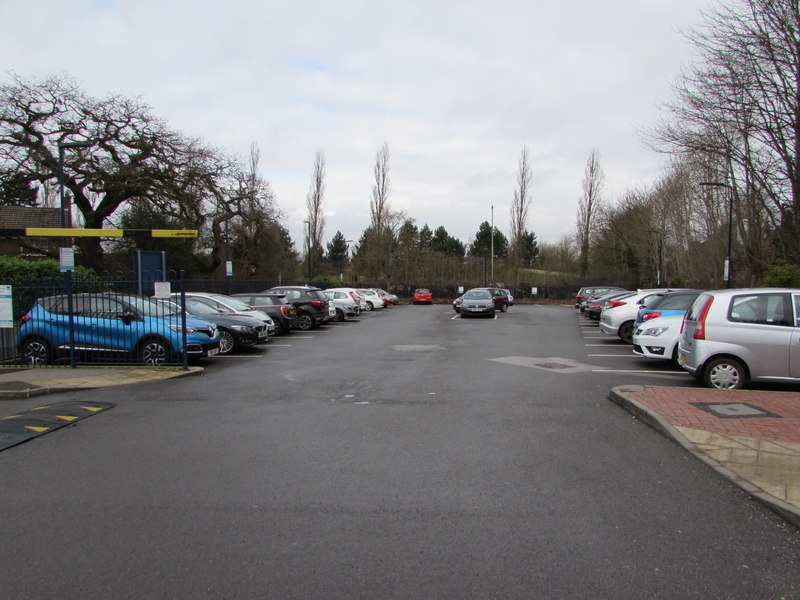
point(673, 303)
point(115, 327)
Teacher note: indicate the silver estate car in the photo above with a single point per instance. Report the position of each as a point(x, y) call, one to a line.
point(730, 337)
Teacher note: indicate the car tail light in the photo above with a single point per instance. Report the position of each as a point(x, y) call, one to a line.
point(24, 319)
point(650, 315)
point(318, 303)
point(615, 303)
point(284, 311)
point(353, 296)
point(700, 329)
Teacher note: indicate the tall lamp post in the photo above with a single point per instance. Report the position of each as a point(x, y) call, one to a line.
point(727, 272)
point(228, 261)
point(308, 248)
point(346, 258)
point(660, 254)
point(62, 146)
point(492, 254)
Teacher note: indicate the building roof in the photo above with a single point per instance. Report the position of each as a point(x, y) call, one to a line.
point(26, 216)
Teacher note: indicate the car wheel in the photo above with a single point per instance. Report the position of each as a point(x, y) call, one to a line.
point(36, 351)
point(280, 328)
point(724, 374)
point(339, 315)
point(304, 321)
point(226, 342)
point(625, 332)
point(492, 314)
point(370, 306)
point(504, 307)
point(463, 316)
point(154, 352)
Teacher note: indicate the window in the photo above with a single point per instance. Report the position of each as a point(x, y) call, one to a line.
point(765, 309)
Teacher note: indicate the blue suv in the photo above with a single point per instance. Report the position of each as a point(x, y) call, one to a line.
point(122, 327)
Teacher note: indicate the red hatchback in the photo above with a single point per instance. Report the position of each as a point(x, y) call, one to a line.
point(422, 296)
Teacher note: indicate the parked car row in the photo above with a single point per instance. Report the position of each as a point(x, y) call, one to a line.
point(137, 329)
point(724, 338)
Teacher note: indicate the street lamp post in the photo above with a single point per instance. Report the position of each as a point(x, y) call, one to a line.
point(660, 254)
point(346, 258)
point(61, 147)
point(308, 248)
point(728, 267)
point(492, 254)
point(228, 261)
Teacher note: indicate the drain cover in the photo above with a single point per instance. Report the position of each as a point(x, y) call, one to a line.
point(734, 410)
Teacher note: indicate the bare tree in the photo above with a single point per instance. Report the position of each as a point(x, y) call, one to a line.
point(521, 204)
point(589, 204)
point(379, 209)
point(315, 200)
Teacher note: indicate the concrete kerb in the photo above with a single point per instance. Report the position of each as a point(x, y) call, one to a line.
point(657, 422)
point(38, 382)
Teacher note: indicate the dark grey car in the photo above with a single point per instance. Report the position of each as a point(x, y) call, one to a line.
point(477, 303)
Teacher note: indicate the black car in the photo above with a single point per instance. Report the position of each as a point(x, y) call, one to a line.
point(235, 331)
point(313, 307)
point(276, 306)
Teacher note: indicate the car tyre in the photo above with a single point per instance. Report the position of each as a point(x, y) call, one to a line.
point(504, 307)
point(36, 351)
point(226, 341)
point(724, 374)
point(625, 332)
point(339, 315)
point(304, 321)
point(370, 306)
point(154, 352)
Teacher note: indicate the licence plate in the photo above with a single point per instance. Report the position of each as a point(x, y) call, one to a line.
point(262, 334)
point(213, 351)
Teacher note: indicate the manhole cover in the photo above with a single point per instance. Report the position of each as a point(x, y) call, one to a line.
point(734, 410)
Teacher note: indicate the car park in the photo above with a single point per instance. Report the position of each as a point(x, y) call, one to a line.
point(422, 296)
point(343, 303)
point(477, 302)
point(312, 306)
point(735, 336)
point(618, 316)
point(281, 311)
point(115, 327)
point(372, 298)
point(228, 304)
point(658, 338)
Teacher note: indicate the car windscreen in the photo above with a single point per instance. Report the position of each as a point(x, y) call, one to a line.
point(478, 295)
point(232, 302)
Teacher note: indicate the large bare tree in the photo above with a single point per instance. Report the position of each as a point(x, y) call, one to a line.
point(379, 208)
point(589, 204)
point(132, 155)
point(521, 204)
point(740, 103)
point(315, 200)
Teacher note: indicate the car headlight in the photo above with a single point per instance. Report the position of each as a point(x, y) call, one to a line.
point(244, 328)
point(654, 331)
point(178, 328)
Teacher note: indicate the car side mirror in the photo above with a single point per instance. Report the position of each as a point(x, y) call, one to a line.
point(128, 318)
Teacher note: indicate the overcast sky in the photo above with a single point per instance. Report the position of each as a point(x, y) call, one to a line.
point(456, 89)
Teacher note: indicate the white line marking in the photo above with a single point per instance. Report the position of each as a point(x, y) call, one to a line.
point(638, 371)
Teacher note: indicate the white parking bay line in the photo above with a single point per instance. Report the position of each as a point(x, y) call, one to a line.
point(631, 355)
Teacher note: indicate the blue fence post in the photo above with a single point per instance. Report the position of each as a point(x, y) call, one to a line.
point(71, 311)
point(183, 319)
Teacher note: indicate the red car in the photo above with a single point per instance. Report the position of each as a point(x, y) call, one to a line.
point(422, 296)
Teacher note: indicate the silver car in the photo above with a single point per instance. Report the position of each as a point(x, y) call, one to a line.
point(730, 337)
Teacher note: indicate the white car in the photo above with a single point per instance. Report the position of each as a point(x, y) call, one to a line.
point(373, 299)
point(658, 338)
point(343, 304)
point(618, 316)
point(355, 294)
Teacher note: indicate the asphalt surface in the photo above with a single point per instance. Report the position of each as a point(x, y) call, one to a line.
point(399, 458)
